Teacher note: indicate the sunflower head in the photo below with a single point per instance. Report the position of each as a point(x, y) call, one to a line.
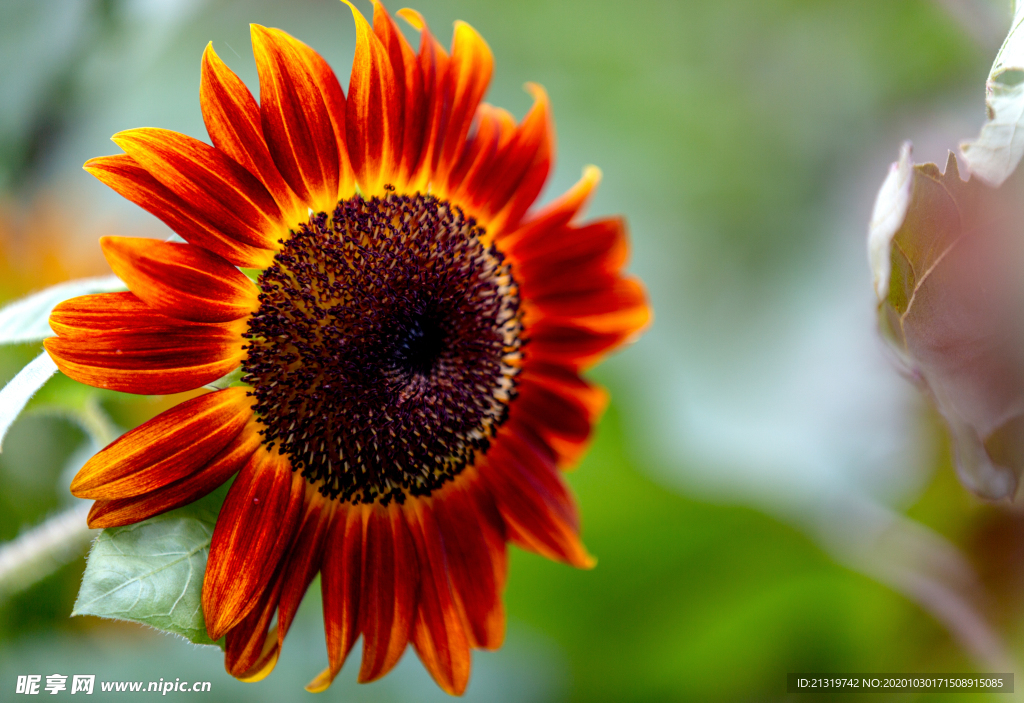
point(405, 328)
point(385, 349)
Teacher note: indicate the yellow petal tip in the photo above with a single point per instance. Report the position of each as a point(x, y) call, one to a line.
point(323, 680)
point(414, 18)
point(536, 90)
point(261, 672)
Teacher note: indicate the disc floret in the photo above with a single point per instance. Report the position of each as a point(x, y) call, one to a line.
point(384, 353)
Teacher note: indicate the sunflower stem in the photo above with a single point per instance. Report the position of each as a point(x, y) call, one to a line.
point(43, 549)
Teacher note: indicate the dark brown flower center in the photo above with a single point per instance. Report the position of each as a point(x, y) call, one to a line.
point(385, 349)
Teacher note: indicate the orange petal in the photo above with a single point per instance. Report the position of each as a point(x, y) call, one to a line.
point(125, 511)
point(150, 354)
point(468, 76)
point(474, 545)
point(232, 119)
point(374, 100)
point(174, 444)
point(390, 587)
point(129, 179)
point(227, 195)
point(87, 314)
point(296, 123)
point(539, 512)
point(181, 280)
point(438, 634)
point(412, 103)
point(340, 579)
point(254, 531)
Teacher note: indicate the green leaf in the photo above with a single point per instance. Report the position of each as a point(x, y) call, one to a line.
point(28, 319)
point(1000, 146)
point(152, 572)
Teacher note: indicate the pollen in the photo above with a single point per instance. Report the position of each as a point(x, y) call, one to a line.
point(385, 350)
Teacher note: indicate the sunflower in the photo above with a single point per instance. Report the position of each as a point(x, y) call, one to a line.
point(398, 338)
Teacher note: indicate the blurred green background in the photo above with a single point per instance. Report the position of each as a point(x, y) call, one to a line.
point(765, 495)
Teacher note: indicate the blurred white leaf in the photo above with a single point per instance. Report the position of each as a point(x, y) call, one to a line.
point(949, 314)
point(28, 319)
point(887, 217)
point(43, 549)
point(22, 387)
point(1000, 146)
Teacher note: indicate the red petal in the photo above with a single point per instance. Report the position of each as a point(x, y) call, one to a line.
point(305, 558)
point(124, 175)
point(609, 304)
point(492, 526)
point(181, 280)
point(296, 122)
point(326, 81)
point(375, 131)
point(593, 280)
point(154, 355)
point(174, 444)
point(541, 227)
point(525, 164)
point(568, 256)
point(340, 578)
point(252, 648)
point(254, 531)
point(469, 74)
point(539, 512)
point(551, 341)
point(227, 195)
point(495, 128)
point(554, 415)
point(501, 193)
point(561, 407)
point(412, 105)
point(232, 120)
point(473, 536)
point(433, 64)
point(438, 634)
point(125, 511)
point(390, 587)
